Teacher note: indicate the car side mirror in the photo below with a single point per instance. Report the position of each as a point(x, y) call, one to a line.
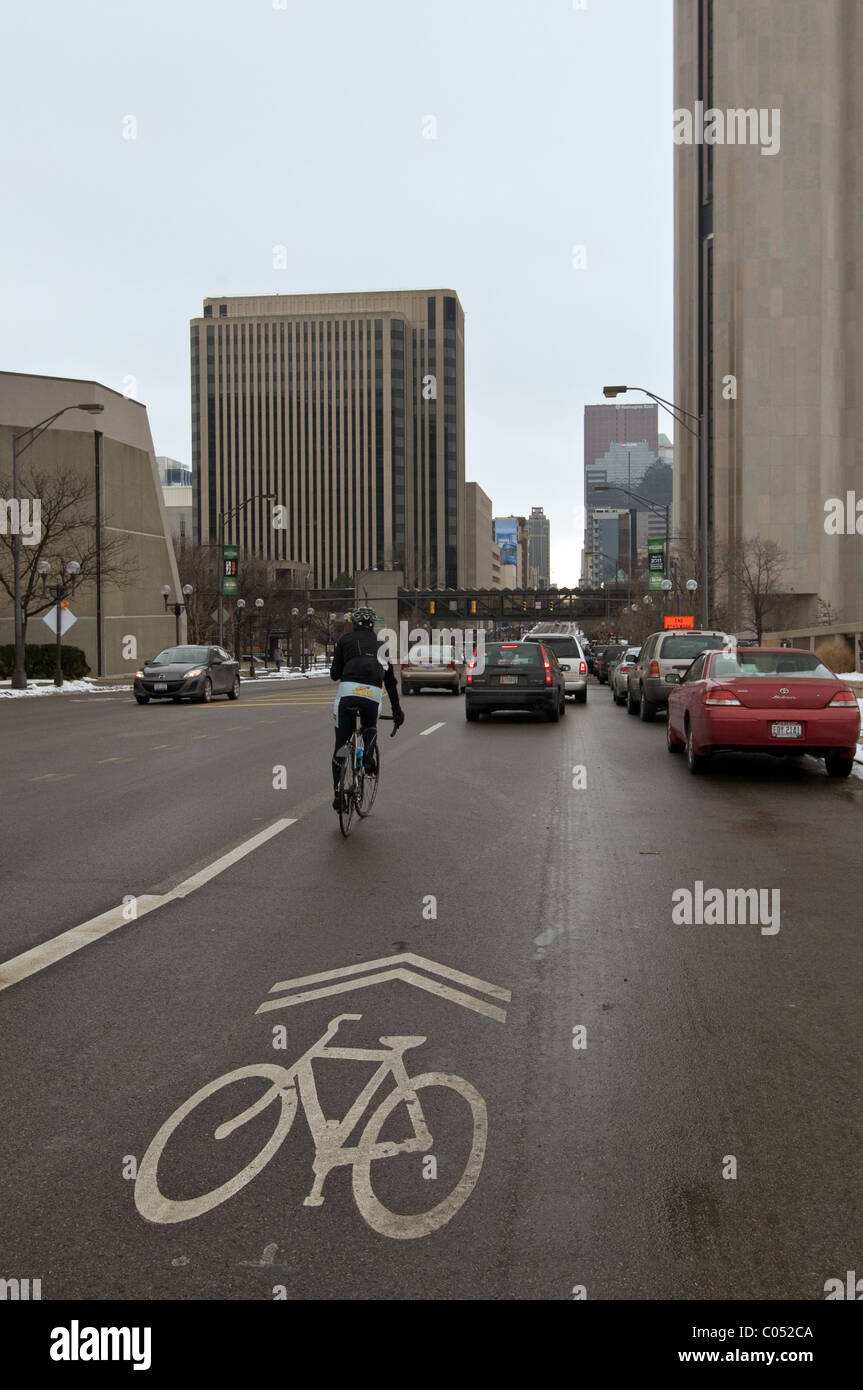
point(673, 679)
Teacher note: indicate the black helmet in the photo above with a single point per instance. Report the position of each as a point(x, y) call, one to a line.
point(363, 617)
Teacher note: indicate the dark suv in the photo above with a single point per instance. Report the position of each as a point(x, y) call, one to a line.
point(608, 658)
point(515, 675)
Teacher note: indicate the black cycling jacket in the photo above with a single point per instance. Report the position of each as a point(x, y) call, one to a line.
point(356, 659)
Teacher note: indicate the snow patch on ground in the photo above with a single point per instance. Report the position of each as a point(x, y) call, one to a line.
point(87, 687)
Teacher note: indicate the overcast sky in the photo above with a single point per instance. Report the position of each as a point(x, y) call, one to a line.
point(261, 123)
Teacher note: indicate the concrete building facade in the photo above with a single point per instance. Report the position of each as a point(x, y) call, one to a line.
point(124, 548)
point(350, 409)
point(768, 319)
point(178, 496)
point(479, 538)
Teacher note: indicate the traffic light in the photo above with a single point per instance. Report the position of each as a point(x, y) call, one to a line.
point(473, 605)
point(431, 607)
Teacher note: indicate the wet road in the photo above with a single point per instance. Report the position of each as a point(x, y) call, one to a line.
point(610, 1099)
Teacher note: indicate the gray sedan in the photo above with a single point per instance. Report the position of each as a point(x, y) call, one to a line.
point(188, 673)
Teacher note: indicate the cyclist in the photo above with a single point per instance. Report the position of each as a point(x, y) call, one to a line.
point(361, 673)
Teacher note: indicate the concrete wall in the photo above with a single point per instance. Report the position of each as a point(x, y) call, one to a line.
point(788, 319)
point(132, 508)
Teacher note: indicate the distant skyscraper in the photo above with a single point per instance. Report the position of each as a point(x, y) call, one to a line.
point(620, 443)
point(538, 546)
point(350, 408)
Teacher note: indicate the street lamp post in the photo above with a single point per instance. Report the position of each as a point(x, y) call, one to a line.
point(20, 443)
point(176, 608)
point(223, 519)
point(700, 433)
point(259, 603)
point(60, 592)
point(238, 613)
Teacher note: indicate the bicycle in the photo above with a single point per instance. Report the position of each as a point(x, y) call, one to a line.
point(357, 786)
point(329, 1136)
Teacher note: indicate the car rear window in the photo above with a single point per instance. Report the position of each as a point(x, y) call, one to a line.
point(686, 646)
point(440, 656)
point(562, 646)
point(750, 663)
point(611, 653)
point(513, 654)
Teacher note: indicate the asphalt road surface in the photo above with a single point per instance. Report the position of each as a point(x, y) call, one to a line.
point(608, 1100)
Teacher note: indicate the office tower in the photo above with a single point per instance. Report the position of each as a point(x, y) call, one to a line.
point(350, 409)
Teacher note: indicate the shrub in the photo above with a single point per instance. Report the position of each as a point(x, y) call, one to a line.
point(835, 652)
point(39, 661)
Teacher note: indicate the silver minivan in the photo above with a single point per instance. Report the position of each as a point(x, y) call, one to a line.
point(672, 650)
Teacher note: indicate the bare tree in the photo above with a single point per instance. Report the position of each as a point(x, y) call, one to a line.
point(756, 569)
point(67, 531)
point(198, 565)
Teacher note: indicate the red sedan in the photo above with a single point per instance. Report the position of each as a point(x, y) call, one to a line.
point(777, 700)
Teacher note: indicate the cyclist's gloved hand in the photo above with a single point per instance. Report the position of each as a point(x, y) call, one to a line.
point(398, 717)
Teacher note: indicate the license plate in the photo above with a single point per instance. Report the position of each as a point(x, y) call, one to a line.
point(509, 680)
point(786, 730)
point(564, 668)
point(160, 685)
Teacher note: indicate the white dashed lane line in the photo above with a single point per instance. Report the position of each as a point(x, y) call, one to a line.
point(432, 729)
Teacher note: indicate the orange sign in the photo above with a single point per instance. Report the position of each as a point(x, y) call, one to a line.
point(681, 620)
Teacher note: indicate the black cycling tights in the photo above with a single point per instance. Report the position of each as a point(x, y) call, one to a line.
point(349, 707)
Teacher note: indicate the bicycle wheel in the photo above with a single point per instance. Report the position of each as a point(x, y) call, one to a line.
point(153, 1205)
point(368, 788)
point(347, 798)
point(393, 1224)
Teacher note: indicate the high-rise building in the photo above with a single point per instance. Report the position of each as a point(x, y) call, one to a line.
point(620, 444)
point(350, 409)
point(479, 537)
point(538, 546)
point(768, 318)
point(510, 533)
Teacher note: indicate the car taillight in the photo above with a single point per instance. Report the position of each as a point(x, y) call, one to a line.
point(470, 679)
point(653, 668)
point(721, 697)
point(582, 667)
point(451, 665)
point(406, 666)
point(471, 663)
point(844, 697)
point(547, 665)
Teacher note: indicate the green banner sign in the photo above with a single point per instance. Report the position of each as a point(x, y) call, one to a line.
point(656, 563)
point(229, 570)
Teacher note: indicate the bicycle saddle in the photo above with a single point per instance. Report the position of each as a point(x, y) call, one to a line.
point(401, 1044)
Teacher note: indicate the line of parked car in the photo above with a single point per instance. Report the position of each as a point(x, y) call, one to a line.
point(726, 695)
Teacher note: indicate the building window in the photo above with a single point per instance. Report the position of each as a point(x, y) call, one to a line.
point(223, 311)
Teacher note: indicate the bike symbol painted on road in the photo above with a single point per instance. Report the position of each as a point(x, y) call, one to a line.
point(287, 1087)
